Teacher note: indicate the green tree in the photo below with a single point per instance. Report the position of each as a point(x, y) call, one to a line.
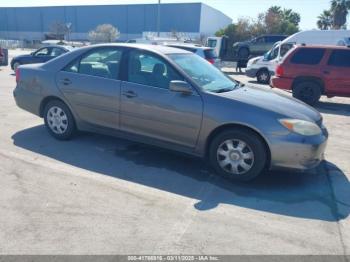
point(290, 16)
point(340, 10)
point(274, 21)
point(325, 20)
point(280, 21)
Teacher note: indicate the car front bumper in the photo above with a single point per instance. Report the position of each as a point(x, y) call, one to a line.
point(251, 72)
point(298, 152)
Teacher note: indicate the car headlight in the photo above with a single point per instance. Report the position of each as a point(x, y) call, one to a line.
point(255, 61)
point(301, 127)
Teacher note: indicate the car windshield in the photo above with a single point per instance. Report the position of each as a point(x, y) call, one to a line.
point(208, 77)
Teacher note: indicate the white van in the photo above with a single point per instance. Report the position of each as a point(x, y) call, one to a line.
point(263, 67)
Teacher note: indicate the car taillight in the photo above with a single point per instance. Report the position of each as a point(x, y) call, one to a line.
point(279, 71)
point(211, 60)
point(17, 75)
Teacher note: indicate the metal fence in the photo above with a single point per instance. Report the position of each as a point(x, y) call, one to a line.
point(12, 44)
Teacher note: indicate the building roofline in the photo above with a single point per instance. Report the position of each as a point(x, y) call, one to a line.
point(104, 5)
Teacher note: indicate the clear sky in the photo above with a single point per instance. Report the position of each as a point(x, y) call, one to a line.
point(308, 9)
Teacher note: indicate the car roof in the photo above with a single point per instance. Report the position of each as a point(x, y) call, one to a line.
point(161, 49)
point(323, 46)
point(59, 46)
point(194, 46)
point(273, 35)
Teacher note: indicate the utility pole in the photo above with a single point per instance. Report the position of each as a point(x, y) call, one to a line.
point(158, 19)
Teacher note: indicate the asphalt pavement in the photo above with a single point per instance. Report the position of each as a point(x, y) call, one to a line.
point(102, 195)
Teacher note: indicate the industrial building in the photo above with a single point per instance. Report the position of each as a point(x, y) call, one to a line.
point(33, 23)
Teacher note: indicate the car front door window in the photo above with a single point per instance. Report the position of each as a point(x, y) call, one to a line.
point(57, 51)
point(147, 69)
point(42, 52)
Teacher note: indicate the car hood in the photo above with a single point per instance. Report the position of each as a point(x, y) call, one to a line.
point(275, 101)
point(254, 60)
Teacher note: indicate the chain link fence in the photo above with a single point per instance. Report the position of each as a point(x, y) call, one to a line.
point(24, 44)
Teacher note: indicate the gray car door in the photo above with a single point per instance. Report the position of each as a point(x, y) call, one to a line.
point(149, 108)
point(91, 85)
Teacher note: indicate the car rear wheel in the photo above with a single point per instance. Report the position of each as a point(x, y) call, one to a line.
point(59, 120)
point(263, 76)
point(238, 154)
point(16, 65)
point(308, 92)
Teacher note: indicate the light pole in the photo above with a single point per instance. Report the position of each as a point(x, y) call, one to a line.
point(158, 19)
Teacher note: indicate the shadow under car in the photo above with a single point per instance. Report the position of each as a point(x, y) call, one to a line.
point(303, 195)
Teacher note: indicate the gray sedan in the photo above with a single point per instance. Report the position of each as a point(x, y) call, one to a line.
point(174, 99)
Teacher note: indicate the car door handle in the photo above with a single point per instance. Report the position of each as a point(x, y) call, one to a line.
point(130, 94)
point(66, 82)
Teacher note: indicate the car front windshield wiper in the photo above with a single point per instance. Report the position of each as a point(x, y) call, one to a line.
point(223, 90)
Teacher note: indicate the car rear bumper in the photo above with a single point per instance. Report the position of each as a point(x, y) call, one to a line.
point(27, 100)
point(299, 152)
point(281, 83)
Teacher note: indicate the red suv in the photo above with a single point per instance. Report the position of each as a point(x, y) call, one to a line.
point(312, 71)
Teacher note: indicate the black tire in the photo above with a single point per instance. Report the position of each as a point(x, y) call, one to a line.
point(308, 92)
point(16, 65)
point(243, 53)
point(70, 129)
point(256, 146)
point(263, 76)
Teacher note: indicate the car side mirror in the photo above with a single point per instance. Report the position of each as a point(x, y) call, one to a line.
point(32, 53)
point(180, 87)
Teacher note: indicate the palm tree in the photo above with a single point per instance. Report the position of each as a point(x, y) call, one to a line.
point(275, 9)
point(340, 10)
point(291, 16)
point(325, 20)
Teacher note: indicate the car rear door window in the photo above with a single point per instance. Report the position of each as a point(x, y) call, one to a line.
point(100, 63)
point(308, 56)
point(57, 51)
point(340, 58)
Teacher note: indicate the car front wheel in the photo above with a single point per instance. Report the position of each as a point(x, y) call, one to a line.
point(263, 76)
point(16, 65)
point(59, 120)
point(238, 154)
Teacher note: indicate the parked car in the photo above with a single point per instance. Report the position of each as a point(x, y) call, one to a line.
point(264, 67)
point(257, 46)
point(312, 71)
point(207, 53)
point(172, 98)
point(344, 42)
point(42, 55)
point(3, 57)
